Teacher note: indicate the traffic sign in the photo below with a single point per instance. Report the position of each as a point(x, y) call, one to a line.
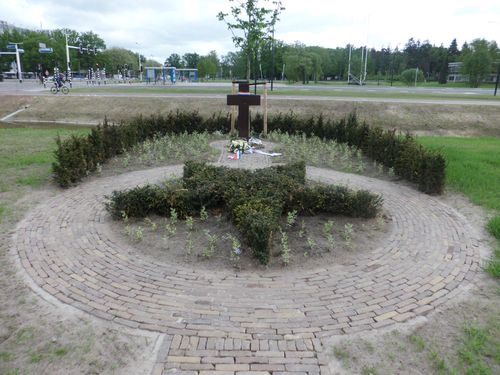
point(46, 50)
point(20, 50)
point(11, 46)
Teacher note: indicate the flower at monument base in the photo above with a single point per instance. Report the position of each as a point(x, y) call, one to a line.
point(239, 144)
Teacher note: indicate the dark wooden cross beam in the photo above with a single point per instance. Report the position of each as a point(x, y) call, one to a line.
point(243, 100)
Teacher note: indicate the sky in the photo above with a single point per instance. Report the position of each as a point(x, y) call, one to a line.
point(158, 28)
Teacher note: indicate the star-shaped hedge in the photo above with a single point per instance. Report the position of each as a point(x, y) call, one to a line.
point(253, 200)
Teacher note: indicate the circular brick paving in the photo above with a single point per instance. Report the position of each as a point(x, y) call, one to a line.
point(67, 248)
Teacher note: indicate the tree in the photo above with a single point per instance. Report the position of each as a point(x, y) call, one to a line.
point(115, 58)
point(207, 65)
point(174, 60)
point(251, 25)
point(476, 61)
point(453, 51)
point(191, 60)
point(408, 76)
point(302, 64)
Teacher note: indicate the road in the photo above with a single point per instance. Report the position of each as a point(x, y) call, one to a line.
point(32, 87)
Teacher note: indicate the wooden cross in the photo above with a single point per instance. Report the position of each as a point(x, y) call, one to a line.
point(243, 100)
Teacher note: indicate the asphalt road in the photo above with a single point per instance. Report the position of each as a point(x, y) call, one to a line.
point(32, 87)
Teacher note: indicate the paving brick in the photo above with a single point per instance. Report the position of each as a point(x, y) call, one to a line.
point(183, 359)
point(431, 254)
point(232, 367)
point(216, 360)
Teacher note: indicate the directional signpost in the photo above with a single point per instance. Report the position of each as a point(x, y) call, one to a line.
point(14, 46)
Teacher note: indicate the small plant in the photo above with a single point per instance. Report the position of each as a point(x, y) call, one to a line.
point(361, 167)
point(327, 231)
point(203, 214)
point(189, 223)
point(138, 234)
point(311, 243)
point(126, 159)
point(151, 224)
point(171, 229)
point(391, 172)
point(328, 227)
point(418, 341)
point(341, 354)
point(189, 244)
point(380, 169)
point(347, 234)
point(285, 250)
point(291, 218)
point(124, 216)
point(209, 251)
point(302, 229)
point(173, 216)
point(235, 251)
point(368, 371)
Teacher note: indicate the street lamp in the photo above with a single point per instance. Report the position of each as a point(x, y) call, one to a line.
point(140, 70)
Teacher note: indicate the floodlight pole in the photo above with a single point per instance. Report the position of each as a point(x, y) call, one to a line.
point(496, 83)
point(349, 66)
point(272, 61)
point(139, 57)
point(68, 62)
point(366, 61)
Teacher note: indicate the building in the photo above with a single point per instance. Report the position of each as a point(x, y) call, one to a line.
point(454, 74)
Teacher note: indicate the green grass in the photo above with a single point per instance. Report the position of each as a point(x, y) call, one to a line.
point(494, 227)
point(480, 349)
point(473, 168)
point(26, 155)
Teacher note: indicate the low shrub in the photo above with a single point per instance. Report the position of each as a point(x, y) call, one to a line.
point(76, 157)
point(255, 200)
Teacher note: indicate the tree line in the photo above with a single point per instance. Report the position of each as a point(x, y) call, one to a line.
point(293, 62)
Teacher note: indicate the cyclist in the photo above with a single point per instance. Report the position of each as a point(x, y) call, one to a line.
point(59, 80)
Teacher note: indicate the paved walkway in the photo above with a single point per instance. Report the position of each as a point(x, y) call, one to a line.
point(263, 322)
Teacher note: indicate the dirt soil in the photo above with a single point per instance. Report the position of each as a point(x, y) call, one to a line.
point(158, 239)
point(463, 120)
point(39, 335)
point(417, 347)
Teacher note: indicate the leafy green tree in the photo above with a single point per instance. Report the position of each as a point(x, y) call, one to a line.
point(302, 64)
point(408, 76)
point(191, 60)
point(477, 60)
point(115, 58)
point(251, 25)
point(174, 60)
point(207, 66)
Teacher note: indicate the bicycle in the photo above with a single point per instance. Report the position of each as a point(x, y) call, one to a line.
point(55, 89)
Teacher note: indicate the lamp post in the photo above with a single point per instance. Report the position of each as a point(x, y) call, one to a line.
point(140, 70)
point(272, 61)
point(496, 82)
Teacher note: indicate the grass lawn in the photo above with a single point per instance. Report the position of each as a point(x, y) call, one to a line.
point(26, 155)
point(474, 169)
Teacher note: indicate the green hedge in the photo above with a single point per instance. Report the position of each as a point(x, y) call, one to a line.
point(255, 200)
point(76, 157)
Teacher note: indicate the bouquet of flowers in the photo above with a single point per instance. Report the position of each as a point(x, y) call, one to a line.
point(239, 144)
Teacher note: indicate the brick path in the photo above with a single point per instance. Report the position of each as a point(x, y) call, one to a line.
point(261, 322)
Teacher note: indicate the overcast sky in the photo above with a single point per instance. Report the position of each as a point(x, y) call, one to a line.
point(157, 28)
